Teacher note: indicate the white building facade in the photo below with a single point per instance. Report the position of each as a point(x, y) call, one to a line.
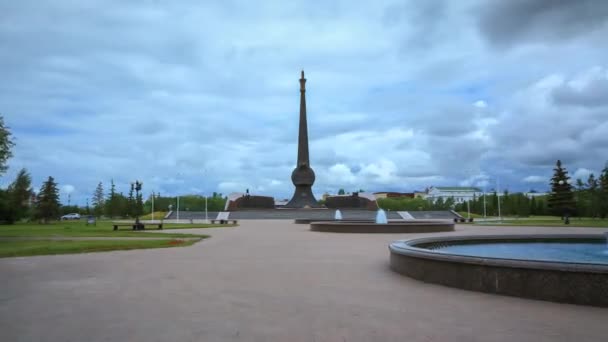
point(460, 194)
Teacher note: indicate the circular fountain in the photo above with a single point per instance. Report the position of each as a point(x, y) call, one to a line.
point(561, 268)
point(382, 225)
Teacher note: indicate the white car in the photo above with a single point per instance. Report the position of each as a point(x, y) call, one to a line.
point(72, 216)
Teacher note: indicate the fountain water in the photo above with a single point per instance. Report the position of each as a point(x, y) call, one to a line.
point(381, 217)
point(338, 215)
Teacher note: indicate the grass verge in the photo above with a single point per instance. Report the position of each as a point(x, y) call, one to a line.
point(48, 247)
point(157, 215)
point(78, 229)
point(556, 222)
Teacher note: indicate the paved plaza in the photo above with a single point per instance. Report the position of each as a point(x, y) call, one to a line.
point(268, 281)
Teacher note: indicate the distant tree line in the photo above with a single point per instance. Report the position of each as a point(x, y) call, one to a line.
point(19, 202)
point(585, 198)
point(216, 202)
point(511, 204)
point(414, 204)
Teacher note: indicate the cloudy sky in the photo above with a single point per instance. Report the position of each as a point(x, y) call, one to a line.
point(202, 96)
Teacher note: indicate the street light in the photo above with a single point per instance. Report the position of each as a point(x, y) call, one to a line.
point(178, 208)
point(565, 215)
point(206, 216)
point(178, 204)
point(484, 201)
point(498, 198)
point(137, 186)
point(152, 205)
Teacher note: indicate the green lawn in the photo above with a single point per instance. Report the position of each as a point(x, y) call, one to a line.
point(45, 247)
point(157, 215)
point(195, 225)
point(550, 221)
point(103, 228)
point(40, 238)
point(465, 215)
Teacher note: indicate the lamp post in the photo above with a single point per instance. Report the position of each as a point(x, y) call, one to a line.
point(498, 198)
point(565, 215)
point(137, 186)
point(484, 201)
point(152, 205)
point(177, 207)
point(206, 214)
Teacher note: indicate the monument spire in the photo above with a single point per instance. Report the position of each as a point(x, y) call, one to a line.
point(303, 177)
point(303, 158)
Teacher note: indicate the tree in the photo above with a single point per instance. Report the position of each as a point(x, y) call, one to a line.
point(602, 195)
point(5, 146)
point(581, 194)
point(593, 196)
point(47, 201)
point(98, 200)
point(341, 192)
point(6, 213)
point(19, 193)
point(139, 204)
point(131, 202)
point(561, 199)
point(112, 203)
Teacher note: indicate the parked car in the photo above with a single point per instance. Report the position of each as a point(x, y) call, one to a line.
point(72, 216)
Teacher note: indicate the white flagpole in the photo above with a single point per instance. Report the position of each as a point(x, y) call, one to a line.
point(498, 197)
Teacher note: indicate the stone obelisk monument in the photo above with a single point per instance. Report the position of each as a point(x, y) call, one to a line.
point(303, 177)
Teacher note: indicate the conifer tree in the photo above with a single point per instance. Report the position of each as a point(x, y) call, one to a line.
point(47, 201)
point(603, 193)
point(112, 202)
point(561, 200)
point(19, 193)
point(98, 200)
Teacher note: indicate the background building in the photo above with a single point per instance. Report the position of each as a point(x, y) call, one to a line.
point(393, 194)
point(460, 194)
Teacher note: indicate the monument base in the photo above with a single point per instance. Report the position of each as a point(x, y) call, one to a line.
point(303, 198)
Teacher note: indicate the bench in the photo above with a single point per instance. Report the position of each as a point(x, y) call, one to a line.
point(135, 226)
point(224, 221)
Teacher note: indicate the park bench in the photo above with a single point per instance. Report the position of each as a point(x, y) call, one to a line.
point(224, 221)
point(222, 218)
point(135, 226)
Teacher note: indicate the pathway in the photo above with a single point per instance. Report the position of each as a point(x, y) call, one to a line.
point(267, 281)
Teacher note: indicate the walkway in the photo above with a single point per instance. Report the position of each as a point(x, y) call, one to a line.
point(267, 281)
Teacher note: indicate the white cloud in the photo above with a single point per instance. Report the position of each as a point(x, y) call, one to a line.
point(67, 188)
point(535, 179)
point(110, 94)
point(582, 173)
point(341, 174)
point(480, 104)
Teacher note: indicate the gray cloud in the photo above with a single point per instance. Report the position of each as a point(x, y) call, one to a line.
point(593, 93)
point(206, 94)
point(505, 23)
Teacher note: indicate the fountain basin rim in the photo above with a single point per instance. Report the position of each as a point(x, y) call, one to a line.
point(392, 227)
point(390, 222)
point(349, 221)
point(409, 248)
